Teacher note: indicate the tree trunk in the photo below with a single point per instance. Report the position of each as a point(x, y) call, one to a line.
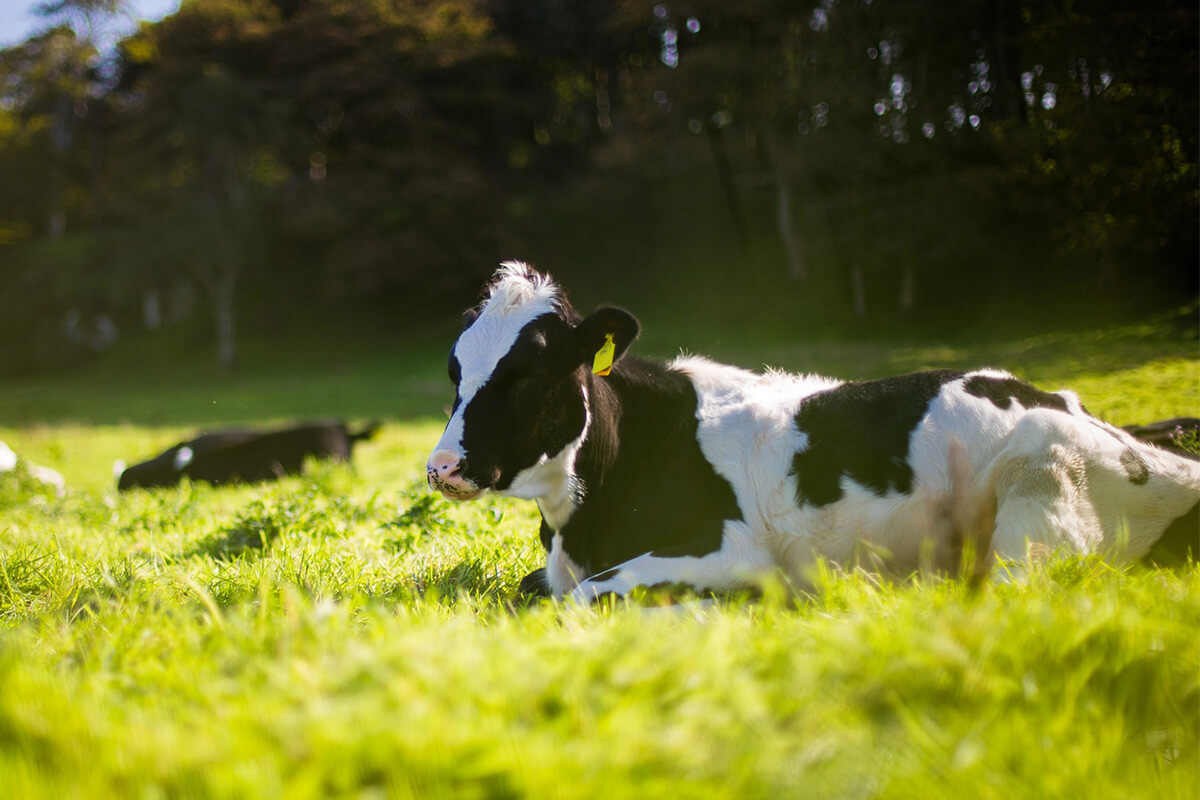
point(600, 81)
point(908, 286)
point(908, 274)
point(859, 290)
point(716, 143)
point(223, 308)
point(1006, 59)
point(787, 231)
point(60, 141)
point(796, 271)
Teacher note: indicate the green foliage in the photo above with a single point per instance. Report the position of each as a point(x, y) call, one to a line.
point(307, 156)
point(1188, 439)
point(347, 633)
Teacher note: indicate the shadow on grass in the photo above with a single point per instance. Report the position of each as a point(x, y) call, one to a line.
point(447, 584)
point(253, 530)
point(237, 542)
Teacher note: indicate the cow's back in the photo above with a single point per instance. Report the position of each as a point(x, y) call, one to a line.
point(868, 468)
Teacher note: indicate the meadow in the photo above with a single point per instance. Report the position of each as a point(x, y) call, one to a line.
point(347, 634)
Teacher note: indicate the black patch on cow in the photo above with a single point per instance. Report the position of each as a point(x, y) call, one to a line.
point(603, 576)
point(648, 486)
point(862, 429)
point(1002, 391)
point(1136, 468)
point(534, 584)
point(680, 549)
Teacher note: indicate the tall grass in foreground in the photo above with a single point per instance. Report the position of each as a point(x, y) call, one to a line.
point(346, 634)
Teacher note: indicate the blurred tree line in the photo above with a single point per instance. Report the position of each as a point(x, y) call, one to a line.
point(242, 155)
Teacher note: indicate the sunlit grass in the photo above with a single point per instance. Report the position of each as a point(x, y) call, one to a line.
point(345, 633)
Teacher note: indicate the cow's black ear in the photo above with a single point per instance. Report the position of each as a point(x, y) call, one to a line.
point(469, 316)
point(594, 332)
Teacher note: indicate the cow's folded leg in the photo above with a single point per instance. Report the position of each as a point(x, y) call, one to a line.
point(534, 585)
point(739, 563)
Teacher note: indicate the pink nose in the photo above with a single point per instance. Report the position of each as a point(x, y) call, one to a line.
point(444, 472)
point(445, 463)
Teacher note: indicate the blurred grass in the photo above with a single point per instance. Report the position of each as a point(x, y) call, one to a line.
point(1150, 363)
point(346, 634)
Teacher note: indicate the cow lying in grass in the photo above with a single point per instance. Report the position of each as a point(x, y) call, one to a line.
point(706, 475)
point(244, 455)
point(11, 463)
point(1170, 434)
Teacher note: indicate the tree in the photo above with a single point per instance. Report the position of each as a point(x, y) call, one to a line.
point(46, 91)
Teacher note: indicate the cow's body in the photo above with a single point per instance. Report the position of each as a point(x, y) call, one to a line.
point(245, 455)
point(708, 475)
point(10, 462)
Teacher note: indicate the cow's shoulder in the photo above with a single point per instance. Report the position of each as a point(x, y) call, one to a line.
point(646, 484)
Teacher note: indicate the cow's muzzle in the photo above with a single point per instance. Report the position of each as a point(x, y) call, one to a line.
point(444, 471)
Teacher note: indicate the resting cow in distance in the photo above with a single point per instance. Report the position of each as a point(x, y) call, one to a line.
point(702, 474)
point(244, 455)
point(1168, 433)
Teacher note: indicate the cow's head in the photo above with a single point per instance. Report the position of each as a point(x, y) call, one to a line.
point(520, 371)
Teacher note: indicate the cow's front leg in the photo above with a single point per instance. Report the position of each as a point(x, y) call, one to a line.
point(740, 562)
point(534, 585)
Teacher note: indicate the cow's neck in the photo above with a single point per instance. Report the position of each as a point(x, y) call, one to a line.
point(553, 481)
point(559, 493)
point(587, 463)
point(562, 483)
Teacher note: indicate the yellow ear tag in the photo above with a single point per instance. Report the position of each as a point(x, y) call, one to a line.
point(602, 365)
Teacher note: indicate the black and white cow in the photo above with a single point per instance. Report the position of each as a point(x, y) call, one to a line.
point(244, 455)
point(698, 473)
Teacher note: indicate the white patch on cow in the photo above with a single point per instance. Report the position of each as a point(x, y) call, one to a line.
point(562, 574)
point(8, 458)
point(43, 475)
point(517, 297)
point(552, 481)
point(747, 431)
point(183, 457)
point(451, 440)
point(49, 477)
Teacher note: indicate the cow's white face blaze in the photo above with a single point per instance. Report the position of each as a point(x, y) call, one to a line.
point(521, 409)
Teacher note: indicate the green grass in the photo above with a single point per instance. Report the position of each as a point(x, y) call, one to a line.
point(345, 633)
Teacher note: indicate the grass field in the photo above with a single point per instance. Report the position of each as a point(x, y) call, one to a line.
point(345, 633)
